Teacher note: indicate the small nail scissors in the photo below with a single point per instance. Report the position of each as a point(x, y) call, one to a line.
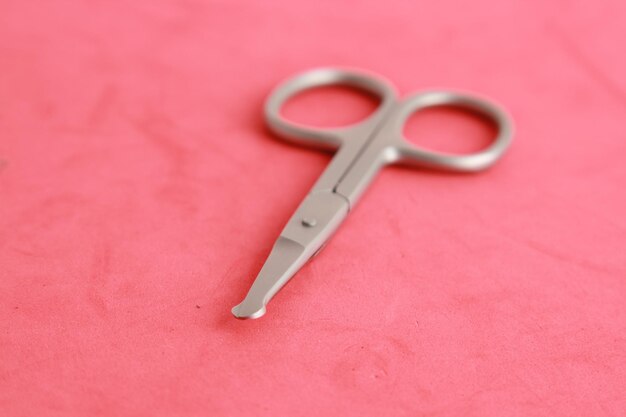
point(362, 149)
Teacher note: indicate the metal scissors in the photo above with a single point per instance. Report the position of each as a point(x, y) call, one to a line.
point(362, 149)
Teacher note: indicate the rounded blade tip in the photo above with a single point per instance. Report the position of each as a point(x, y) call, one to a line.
point(243, 312)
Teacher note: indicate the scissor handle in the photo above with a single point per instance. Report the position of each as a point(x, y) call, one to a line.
point(326, 138)
point(411, 154)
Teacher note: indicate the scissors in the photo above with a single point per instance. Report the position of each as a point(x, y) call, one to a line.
point(362, 149)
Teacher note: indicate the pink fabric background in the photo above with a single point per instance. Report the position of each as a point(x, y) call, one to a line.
point(140, 194)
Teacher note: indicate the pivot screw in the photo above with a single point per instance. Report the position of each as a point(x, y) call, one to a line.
point(309, 222)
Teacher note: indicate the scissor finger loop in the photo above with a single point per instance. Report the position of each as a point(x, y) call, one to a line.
point(414, 155)
point(326, 138)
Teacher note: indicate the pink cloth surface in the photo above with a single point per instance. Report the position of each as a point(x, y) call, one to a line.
point(140, 194)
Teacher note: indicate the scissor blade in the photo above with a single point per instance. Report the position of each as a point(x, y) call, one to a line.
point(285, 259)
point(306, 232)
